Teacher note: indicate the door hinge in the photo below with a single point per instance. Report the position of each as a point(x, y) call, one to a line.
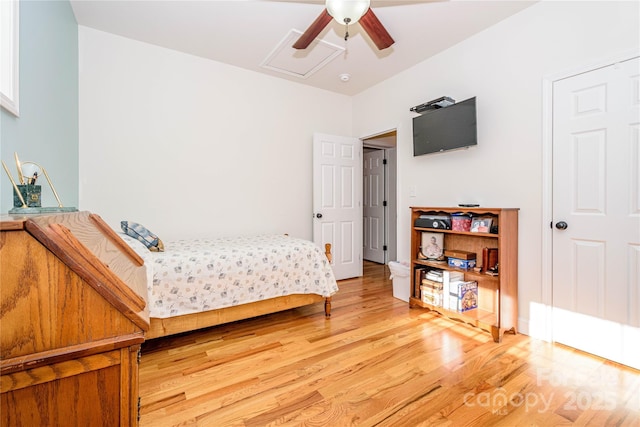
point(384, 161)
point(384, 203)
point(384, 247)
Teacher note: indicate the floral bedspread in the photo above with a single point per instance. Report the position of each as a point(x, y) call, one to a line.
point(192, 276)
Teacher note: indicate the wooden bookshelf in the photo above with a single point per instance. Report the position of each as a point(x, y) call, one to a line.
point(497, 310)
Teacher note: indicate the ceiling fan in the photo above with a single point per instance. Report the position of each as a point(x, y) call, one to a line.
point(347, 12)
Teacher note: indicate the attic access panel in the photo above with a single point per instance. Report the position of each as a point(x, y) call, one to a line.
point(300, 63)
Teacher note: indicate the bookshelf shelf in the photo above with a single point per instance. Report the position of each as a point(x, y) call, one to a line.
point(462, 233)
point(497, 310)
point(482, 319)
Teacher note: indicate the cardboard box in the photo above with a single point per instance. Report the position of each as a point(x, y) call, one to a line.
point(464, 264)
point(463, 296)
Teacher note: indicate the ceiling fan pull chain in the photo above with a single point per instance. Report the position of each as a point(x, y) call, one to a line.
point(346, 31)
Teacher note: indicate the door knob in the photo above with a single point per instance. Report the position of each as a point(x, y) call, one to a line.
point(561, 225)
point(318, 215)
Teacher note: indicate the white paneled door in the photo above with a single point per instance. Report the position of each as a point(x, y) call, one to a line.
point(373, 209)
point(337, 201)
point(596, 212)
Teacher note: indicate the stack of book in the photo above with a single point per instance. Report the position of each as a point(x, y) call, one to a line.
point(434, 275)
point(435, 287)
point(431, 293)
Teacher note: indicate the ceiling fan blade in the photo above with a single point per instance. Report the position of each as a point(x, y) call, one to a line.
point(376, 30)
point(312, 32)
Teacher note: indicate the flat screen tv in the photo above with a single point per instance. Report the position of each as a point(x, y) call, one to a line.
point(444, 129)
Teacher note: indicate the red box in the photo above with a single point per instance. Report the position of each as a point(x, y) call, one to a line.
point(460, 222)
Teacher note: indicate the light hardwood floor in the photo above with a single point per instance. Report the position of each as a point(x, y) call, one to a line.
point(376, 363)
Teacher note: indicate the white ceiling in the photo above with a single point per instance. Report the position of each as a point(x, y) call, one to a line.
point(245, 32)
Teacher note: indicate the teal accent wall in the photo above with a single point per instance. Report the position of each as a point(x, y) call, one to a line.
point(47, 130)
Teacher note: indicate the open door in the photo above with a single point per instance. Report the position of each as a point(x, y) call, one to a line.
point(374, 205)
point(337, 201)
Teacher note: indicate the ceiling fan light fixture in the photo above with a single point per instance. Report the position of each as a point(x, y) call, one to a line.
point(347, 11)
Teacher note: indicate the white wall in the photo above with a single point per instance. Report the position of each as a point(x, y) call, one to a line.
point(192, 147)
point(503, 67)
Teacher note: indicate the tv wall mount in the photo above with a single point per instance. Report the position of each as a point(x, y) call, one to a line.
point(443, 101)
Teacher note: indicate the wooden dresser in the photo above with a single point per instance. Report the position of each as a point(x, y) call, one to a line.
point(72, 320)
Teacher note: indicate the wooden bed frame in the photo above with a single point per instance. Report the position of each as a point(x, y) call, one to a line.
point(189, 322)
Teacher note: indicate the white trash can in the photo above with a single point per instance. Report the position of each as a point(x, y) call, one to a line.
point(400, 277)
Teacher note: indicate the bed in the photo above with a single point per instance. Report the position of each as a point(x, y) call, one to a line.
point(198, 283)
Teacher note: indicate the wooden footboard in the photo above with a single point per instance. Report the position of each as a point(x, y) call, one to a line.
point(189, 322)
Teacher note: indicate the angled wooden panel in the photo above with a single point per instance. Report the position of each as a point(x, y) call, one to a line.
point(71, 328)
point(47, 306)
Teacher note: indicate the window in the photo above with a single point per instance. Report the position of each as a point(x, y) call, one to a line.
point(9, 31)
